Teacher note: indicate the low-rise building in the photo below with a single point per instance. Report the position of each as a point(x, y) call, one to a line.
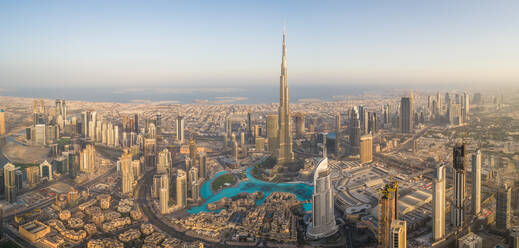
point(33, 230)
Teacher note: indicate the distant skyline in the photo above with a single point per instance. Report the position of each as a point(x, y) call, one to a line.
point(237, 44)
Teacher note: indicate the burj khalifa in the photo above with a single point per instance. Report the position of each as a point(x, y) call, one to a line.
point(284, 153)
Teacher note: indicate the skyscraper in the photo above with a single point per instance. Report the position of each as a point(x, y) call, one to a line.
point(150, 153)
point(366, 149)
point(249, 127)
point(87, 158)
point(387, 212)
point(192, 176)
point(407, 114)
point(164, 162)
point(203, 165)
point(398, 234)
point(323, 218)
point(459, 164)
point(272, 132)
point(439, 202)
point(228, 127)
point(2, 122)
point(338, 123)
point(195, 190)
point(503, 207)
point(242, 139)
point(439, 103)
point(180, 129)
point(164, 194)
point(354, 131)
point(33, 175)
point(181, 189)
point(127, 176)
point(260, 144)
point(285, 153)
point(300, 124)
point(476, 182)
point(10, 182)
point(235, 150)
point(192, 150)
point(39, 136)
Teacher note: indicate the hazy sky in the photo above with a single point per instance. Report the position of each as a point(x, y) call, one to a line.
point(238, 43)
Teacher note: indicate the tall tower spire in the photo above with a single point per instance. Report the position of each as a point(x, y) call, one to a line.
point(284, 153)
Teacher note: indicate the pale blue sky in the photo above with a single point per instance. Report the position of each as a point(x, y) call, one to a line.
point(238, 43)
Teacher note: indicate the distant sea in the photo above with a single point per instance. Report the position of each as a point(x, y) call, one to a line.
point(209, 95)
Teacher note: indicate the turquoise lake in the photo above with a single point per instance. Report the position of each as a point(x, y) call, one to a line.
point(302, 191)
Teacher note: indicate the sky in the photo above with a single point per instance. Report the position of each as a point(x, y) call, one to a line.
point(238, 43)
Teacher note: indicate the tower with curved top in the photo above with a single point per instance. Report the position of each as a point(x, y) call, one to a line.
point(323, 219)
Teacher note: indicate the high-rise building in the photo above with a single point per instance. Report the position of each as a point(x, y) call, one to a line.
point(272, 132)
point(203, 165)
point(323, 218)
point(136, 166)
point(192, 176)
point(249, 127)
point(18, 179)
point(150, 153)
point(164, 194)
point(87, 158)
point(242, 139)
point(300, 124)
point(439, 183)
point(372, 123)
point(155, 187)
point(458, 206)
point(387, 114)
point(398, 234)
point(39, 137)
point(180, 129)
point(362, 118)
point(127, 177)
point(470, 240)
point(164, 162)
point(195, 190)
point(235, 150)
point(181, 189)
point(465, 106)
point(260, 144)
point(285, 153)
point(407, 114)
point(366, 149)
point(354, 131)
point(387, 213)
point(10, 182)
point(193, 150)
point(228, 127)
point(476, 182)
point(338, 123)
point(61, 108)
point(33, 175)
point(2, 122)
point(503, 207)
point(158, 122)
point(439, 103)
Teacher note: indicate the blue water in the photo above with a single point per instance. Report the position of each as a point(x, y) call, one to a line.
point(301, 190)
point(246, 93)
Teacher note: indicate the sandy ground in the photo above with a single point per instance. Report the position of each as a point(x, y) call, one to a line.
point(25, 154)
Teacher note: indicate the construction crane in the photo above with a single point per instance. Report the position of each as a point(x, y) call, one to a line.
point(387, 212)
